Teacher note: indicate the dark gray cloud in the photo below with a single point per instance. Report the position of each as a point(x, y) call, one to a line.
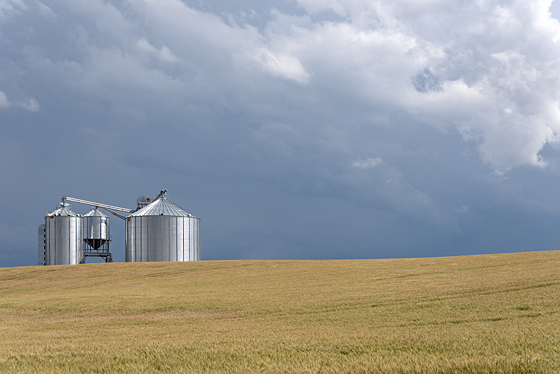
point(295, 129)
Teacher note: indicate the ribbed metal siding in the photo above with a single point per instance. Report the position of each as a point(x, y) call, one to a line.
point(162, 238)
point(180, 243)
point(63, 240)
point(41, 245)
point(173, 242)
point(96, 227)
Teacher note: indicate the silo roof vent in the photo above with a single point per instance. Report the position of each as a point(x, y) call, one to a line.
point(162, 207)
point(63, 211)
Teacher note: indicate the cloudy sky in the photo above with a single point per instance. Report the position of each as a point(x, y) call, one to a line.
point(296, 129)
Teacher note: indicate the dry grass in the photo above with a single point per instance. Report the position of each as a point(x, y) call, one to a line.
point(475, 314)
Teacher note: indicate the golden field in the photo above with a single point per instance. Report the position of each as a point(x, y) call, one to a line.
point(472, 314)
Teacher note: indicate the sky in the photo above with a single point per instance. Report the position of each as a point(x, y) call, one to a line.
point(297, 129)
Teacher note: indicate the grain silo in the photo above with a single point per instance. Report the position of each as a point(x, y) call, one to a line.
point(63, 237)
point(97, 235)
point(162, 231)
point(157, 230)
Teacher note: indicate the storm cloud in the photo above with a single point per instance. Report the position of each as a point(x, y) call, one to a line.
point(297, 129)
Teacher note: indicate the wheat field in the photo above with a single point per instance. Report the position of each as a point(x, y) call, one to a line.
point(471, 314)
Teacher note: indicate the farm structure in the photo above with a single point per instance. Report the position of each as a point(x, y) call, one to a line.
point(157, 230)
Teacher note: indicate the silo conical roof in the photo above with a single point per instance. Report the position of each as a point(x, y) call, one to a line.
point(95, 213)
point(162, 207)
point(63, 211)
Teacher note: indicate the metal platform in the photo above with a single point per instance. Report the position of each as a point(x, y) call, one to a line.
point(106, 255)
point(94, 249)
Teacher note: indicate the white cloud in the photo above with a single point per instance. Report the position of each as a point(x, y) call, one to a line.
point(28, 104)
point(4, 103)
point(9, 7)
point(31, 105)
point(368, 163)
point(487, 69)
point(283, 66)
point(47, 11)
point(488, 55)
point(316, 6)
point(163, 54)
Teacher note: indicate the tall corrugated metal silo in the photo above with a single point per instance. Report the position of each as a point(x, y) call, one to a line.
point(162, 231)
point(63, 237)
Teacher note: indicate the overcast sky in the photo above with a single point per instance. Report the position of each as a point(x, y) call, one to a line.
point(302, 129)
